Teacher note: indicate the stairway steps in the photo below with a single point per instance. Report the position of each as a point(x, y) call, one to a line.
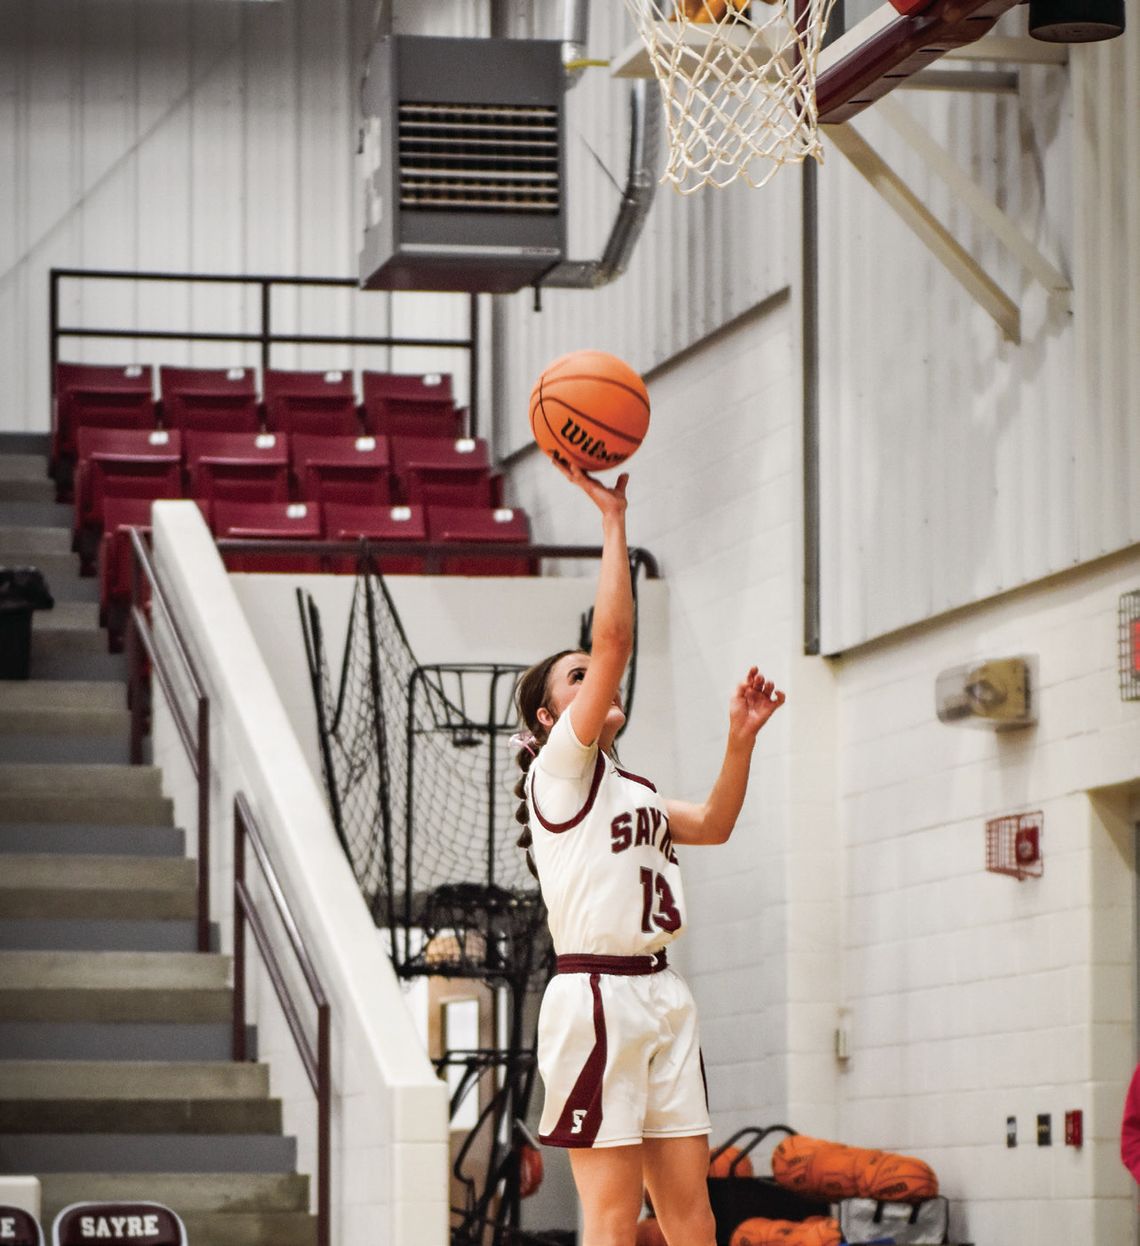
point(36, 514)
point(22, 465)
point(131, 1080)
point(55, 872)
point(82, 839)
point(190, 1153)
point(45, 705)
point(110, 934)
point(189, 1194)
point(110, 1004)
point(127, 795)
point(252, 1229)
point(23, 489)
point(97, 971)
point(69, 748)
point(114, 1116)
point(36, 539)
point(26, 443)
point(97, 1041)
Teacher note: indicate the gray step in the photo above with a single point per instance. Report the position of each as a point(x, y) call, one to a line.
point(68, 749)
point(113, 1116)
point(26, 443)
point(114, 986)
point(15, 465)
point(167, 1153)
point(124, 795)
point(17, 488)
point(105, 935)
point(73, 648)
point(90, 1040)
point(50, 885)
point(75, 839)
point(228, 1193)
point(24, 514)
point(37, 541)
point(61, 571)
point(252, 1229)
point(132, 1080)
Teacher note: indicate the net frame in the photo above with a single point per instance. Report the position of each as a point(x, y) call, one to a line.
point(737, 84)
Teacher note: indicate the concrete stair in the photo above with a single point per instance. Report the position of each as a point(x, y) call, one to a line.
point(116, 1077)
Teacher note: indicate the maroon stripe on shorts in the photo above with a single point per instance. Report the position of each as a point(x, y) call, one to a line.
point(582, 1112)
point(557, 828)
point(623, 966)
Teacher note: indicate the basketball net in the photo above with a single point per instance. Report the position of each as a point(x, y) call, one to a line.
point(738, 84)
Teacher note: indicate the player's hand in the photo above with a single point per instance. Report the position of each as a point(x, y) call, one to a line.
point(753, 702)
point(610, 501)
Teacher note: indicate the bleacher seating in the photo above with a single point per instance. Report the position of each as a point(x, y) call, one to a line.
point(316, 474)
point(401, 405)
point(97, 396)
point(120, 463)
point(377, 523)
point(498, 525)
point(437, 471)
point(342, 469)
point(260, 521)
point(322, 403)
point(239, 467)
point(222, 400)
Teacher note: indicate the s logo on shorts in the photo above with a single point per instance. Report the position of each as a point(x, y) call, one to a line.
point(579, 1115)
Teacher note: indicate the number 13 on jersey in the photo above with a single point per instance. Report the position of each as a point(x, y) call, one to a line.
point(655, 888)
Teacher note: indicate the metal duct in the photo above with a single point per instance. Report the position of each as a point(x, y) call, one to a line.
point(575, 34)
point(637, 198)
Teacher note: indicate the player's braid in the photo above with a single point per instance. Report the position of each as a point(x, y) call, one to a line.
point(530, 696)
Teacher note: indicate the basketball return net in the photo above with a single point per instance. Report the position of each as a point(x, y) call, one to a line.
point(737, 83)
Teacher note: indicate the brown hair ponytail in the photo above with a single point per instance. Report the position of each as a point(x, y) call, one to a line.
point(530, 697)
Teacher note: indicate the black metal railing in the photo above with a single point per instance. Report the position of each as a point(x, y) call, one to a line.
point(195, 735)
point(314, 1057)
point(265, 336)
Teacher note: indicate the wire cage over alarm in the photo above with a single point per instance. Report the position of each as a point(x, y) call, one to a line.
point(1013, 845)
point(737, 83)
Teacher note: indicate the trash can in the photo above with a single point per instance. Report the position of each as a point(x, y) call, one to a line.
point(22, 590)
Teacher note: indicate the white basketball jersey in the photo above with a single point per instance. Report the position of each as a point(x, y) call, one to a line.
point(605, 858)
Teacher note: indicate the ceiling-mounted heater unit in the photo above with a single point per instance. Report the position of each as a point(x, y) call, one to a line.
point(462, 163)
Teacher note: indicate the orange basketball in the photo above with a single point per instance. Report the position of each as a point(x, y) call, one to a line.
point(722, 1164)
point(649, 1233)
point(589, 408)
point(530, 1170)
point(837, 1171)
point(898, 1178)
point(814, 1231)
point(791, 1160)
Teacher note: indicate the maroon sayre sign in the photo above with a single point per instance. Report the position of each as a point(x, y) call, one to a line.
point(140, 1224)
point(19, 1228)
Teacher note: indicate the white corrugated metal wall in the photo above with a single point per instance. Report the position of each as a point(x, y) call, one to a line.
point(189, 137)
point(956, 465)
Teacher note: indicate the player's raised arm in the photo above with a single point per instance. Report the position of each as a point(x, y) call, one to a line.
point(753, 702)
point(612, 630)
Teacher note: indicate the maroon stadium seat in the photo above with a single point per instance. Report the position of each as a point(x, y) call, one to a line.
point(502, 524)
point(323, 403)
point(437, 472)
point(216, 399)
point(354, 470)
point(238, 467)
point(119, 516)
point(400, 405)
point(120, 463)
point(98, 396)
point(377, 523)
point(260, 521)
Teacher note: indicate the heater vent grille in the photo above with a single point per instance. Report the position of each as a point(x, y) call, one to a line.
point(479, 157)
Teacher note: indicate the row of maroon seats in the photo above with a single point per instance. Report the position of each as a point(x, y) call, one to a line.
point(227, 400)
point(313, 521)
point(273, 467)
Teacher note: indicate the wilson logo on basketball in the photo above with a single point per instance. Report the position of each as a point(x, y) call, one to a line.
point(575, 436)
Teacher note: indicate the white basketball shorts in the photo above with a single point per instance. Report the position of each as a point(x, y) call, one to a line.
point(620, 1059)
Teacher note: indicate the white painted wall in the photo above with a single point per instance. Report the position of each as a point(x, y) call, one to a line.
point(389, 1113)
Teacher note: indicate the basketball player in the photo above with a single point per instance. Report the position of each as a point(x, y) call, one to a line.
point(618, 1047)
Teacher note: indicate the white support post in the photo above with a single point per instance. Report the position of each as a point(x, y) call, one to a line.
point(958, 262)
point(971, 196)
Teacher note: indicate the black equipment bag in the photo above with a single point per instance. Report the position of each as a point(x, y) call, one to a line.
point(736, 1199)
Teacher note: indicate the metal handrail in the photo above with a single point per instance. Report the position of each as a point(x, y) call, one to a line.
point(265, 337)
point(315, 1058)
point(195, 737)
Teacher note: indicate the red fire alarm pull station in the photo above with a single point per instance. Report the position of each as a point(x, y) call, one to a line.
point(1129, 646)
point(1013, 845)
point(1074, 1128)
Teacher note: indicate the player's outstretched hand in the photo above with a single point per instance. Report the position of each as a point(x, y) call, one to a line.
point(610, 501)
point(753, 702)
